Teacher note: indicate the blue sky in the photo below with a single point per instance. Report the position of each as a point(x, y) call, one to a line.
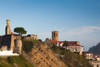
point(77, 20)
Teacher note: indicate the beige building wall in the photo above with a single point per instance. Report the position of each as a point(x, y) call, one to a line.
point(75, 49)
point(3, 48)
point(12, 42)
point(95, 63)
point(78, 42)
point(88, 55)
point(31, 36)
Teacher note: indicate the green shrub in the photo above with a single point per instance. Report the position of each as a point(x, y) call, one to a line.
point(27, 46)
point(10, 59)
point(69, 58)
point(54, 47)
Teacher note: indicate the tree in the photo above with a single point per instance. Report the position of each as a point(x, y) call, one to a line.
point(40, 40)
point(47, 39)
point(20, 30)
point(65, 43)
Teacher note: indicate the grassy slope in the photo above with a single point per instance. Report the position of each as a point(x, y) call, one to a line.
point(71, 59)
point(18, 61)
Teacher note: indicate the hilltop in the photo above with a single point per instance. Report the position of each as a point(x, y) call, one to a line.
point(95, 49)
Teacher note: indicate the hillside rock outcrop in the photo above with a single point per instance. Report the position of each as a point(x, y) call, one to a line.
point(42, 56)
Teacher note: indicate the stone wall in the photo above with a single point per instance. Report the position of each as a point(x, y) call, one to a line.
point(9, 41)
point(34, 37)
point(0, 40)
point(18, 46)
point(6, 41)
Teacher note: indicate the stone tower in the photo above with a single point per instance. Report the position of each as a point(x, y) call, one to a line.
point(18, 46)
point(55, 35)
point(8, 30)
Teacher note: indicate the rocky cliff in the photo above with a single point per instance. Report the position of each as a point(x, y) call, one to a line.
point(42, 56)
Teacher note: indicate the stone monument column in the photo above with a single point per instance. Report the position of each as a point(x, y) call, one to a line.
point(8, 30)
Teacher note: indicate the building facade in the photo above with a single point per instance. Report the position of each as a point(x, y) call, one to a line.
point(31, 36)
point(88, 55)
point(75, 48)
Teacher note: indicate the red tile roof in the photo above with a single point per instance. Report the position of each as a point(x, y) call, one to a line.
point(54, 41)
point(74, 45)
point(12, 33)
point(71, 43)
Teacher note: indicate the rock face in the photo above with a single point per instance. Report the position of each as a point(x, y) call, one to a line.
point(42, 56)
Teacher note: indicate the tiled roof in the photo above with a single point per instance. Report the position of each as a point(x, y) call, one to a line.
point(70, 43)
point(54, 41)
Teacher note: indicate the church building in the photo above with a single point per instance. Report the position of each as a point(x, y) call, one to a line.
point(73, 46)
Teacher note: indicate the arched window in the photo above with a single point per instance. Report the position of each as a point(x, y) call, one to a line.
point(56, 34)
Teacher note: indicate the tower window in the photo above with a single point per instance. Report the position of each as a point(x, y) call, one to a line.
point(54, 34)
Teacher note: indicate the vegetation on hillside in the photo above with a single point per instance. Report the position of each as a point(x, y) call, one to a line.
point(69, 58)
point(65, 44)
point(95, 49)
point(17, 61)
point(28, 44)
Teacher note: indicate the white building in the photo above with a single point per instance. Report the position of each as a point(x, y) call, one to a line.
point(8, 53)
point(88, 55)
point(75, 48)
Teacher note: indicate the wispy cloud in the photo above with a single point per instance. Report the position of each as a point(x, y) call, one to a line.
point(59, 29)
point(44, 35)
point(64, 33)
point(81, 30)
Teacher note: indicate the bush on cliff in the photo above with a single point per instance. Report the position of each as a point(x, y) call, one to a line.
point(54, 47)
point(28, 45)
point(10, 59)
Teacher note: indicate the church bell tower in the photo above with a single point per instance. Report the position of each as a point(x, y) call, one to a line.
point(55, 35)
point(8, 30)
